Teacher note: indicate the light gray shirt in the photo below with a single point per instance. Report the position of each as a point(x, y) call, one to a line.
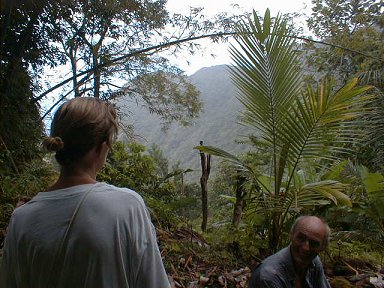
point(112, 242)
point(277, 271)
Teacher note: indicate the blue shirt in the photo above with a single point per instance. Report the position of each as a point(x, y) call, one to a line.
point(277, 271)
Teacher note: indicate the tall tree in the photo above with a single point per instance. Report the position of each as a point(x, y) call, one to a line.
point(117, 48)
point(96, 31)
point(24, 47)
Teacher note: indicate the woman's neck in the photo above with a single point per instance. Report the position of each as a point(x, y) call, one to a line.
point(73, 177)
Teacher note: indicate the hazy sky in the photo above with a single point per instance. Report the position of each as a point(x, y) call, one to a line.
point(212, 7)
point(215, 6)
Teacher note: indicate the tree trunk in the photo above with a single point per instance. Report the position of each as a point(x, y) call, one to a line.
point(75, 84)
point(240, 202)
point(274, 233)
point(182, 188)
point(205, 170)
point(96, 74)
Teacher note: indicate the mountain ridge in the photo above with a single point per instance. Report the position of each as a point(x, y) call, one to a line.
point(217, 125)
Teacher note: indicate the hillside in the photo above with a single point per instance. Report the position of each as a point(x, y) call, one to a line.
point(216, 125)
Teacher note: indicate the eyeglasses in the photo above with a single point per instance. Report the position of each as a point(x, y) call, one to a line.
point(302, 238)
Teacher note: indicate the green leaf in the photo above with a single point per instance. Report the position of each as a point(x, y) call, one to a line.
point(332, 190)
point(374, 182)
point(229, 198)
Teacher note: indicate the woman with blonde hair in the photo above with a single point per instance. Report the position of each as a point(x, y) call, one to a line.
point(82, 233)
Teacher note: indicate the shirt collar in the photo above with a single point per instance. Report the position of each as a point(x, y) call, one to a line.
point(291, 266)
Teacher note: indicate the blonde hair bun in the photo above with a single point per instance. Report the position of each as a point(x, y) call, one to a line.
point(53, 144)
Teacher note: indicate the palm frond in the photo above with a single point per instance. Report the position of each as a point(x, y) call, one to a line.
point(329, 189)
point(268, 77)
point(223, 154)
point(237, 163)
point(324, 123)
point(291, 202)
point(372, 237)
point(348, 236)
point(374, 77)
point(266, 72)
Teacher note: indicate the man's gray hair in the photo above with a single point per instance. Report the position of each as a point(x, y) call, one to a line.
point(325, 242)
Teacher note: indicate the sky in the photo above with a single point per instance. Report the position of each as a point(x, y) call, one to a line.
point(212, 7)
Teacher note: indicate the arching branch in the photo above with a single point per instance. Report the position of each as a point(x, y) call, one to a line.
point(179, 41)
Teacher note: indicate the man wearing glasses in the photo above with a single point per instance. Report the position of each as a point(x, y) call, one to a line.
point(298, 265)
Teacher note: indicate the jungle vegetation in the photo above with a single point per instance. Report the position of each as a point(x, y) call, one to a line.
point(317, 133)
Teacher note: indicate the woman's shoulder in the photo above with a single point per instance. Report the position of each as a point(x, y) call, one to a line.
point(110, 201)
point(117, 193)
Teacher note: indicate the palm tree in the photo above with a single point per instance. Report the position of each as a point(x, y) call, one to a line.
point(299, 124)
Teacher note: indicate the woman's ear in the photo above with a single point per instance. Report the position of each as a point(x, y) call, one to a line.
point(102, 152)
point(104, 147)
point(101, 146)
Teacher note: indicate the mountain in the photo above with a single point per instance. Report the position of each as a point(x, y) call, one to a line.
point(216, 125)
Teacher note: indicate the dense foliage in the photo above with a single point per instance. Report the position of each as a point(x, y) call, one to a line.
point(23, 46)
point(354, 30)
point(130, 165)
point(316, 142)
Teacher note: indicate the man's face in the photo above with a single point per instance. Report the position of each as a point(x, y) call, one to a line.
point(307, 241)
